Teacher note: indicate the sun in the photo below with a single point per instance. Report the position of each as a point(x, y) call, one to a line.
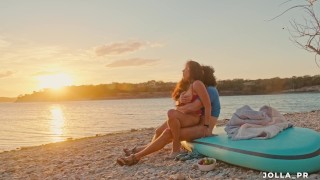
point(55, 81)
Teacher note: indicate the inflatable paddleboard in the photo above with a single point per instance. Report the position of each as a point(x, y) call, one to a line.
point(293, 150)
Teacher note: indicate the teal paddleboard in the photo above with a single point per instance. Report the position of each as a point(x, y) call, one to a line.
point(293, 150)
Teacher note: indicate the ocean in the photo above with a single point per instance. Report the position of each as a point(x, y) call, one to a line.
point(29, 124)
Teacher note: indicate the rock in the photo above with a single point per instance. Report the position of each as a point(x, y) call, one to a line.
point(92, 171)
point(139, 177)
point(221, 174)
point(178, 176)
point(100, 170)
point(59, 162)
point(218, 178)
point(174, 170)
point(72, 177)
point(172, 177)
point(195, 166)
point(314, 176)
point(211, 174)
point(78, 177)
point(29, 171)
point(153, 178)
point(139, 173)
point(34, 176)
point(57, 176)
point(70, 161)
point(189, 161)
point(151, 171)
point(162, 173)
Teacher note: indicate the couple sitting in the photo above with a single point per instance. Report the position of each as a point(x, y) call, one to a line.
point(197, 112)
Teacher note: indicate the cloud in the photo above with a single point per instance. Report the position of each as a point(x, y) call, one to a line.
point(40, 73)
point(132, 62)
point(123, 47)
point(119, 48)
point(6, 74)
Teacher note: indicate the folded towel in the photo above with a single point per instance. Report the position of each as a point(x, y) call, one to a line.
point(247, 123)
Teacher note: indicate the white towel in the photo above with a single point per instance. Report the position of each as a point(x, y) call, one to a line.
point(249, 124)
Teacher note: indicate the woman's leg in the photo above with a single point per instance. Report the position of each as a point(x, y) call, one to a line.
point(164, 126)
point(187, 134)
point(176, 121)
point(158, 132)
point(164, 139)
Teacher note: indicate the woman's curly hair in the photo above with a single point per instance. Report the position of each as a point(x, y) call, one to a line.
point(208, 76)
point(196, 73)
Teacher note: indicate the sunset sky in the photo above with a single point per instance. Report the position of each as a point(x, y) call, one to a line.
point(103, 41)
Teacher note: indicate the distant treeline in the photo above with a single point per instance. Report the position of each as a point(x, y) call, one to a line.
point(153, 89)
point(7, 99)
point(269, 86)
point(103, 91)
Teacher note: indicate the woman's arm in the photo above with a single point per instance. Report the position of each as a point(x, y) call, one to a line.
point(190, 107)
point(202, 92)
point(184, 98)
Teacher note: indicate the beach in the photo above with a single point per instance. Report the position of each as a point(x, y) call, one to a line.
point(94, 158)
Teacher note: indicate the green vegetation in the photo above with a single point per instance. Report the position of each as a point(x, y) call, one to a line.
point(269, 86)
point(103, 91)
point(152, 89)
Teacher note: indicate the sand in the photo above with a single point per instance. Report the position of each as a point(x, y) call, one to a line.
point(94, 158)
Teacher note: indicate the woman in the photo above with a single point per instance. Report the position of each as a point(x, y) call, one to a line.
point(164, 136)
point(210, 82)
point(177, 119)
point(190, 88)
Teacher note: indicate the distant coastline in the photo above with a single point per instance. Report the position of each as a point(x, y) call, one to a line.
point(145, 95)
point(160, 89)
point(7, 99)
point(160, 95)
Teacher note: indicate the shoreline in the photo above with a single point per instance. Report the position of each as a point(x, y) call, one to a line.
point(94, 158)
point(156, 97)
point(220, 122)
point(77, 139)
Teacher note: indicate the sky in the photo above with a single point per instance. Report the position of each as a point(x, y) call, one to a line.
point(76, 42)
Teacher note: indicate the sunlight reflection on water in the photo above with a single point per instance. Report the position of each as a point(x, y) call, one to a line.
point(57, 123)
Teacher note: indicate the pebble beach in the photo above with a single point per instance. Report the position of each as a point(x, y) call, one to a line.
point(94, 158)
